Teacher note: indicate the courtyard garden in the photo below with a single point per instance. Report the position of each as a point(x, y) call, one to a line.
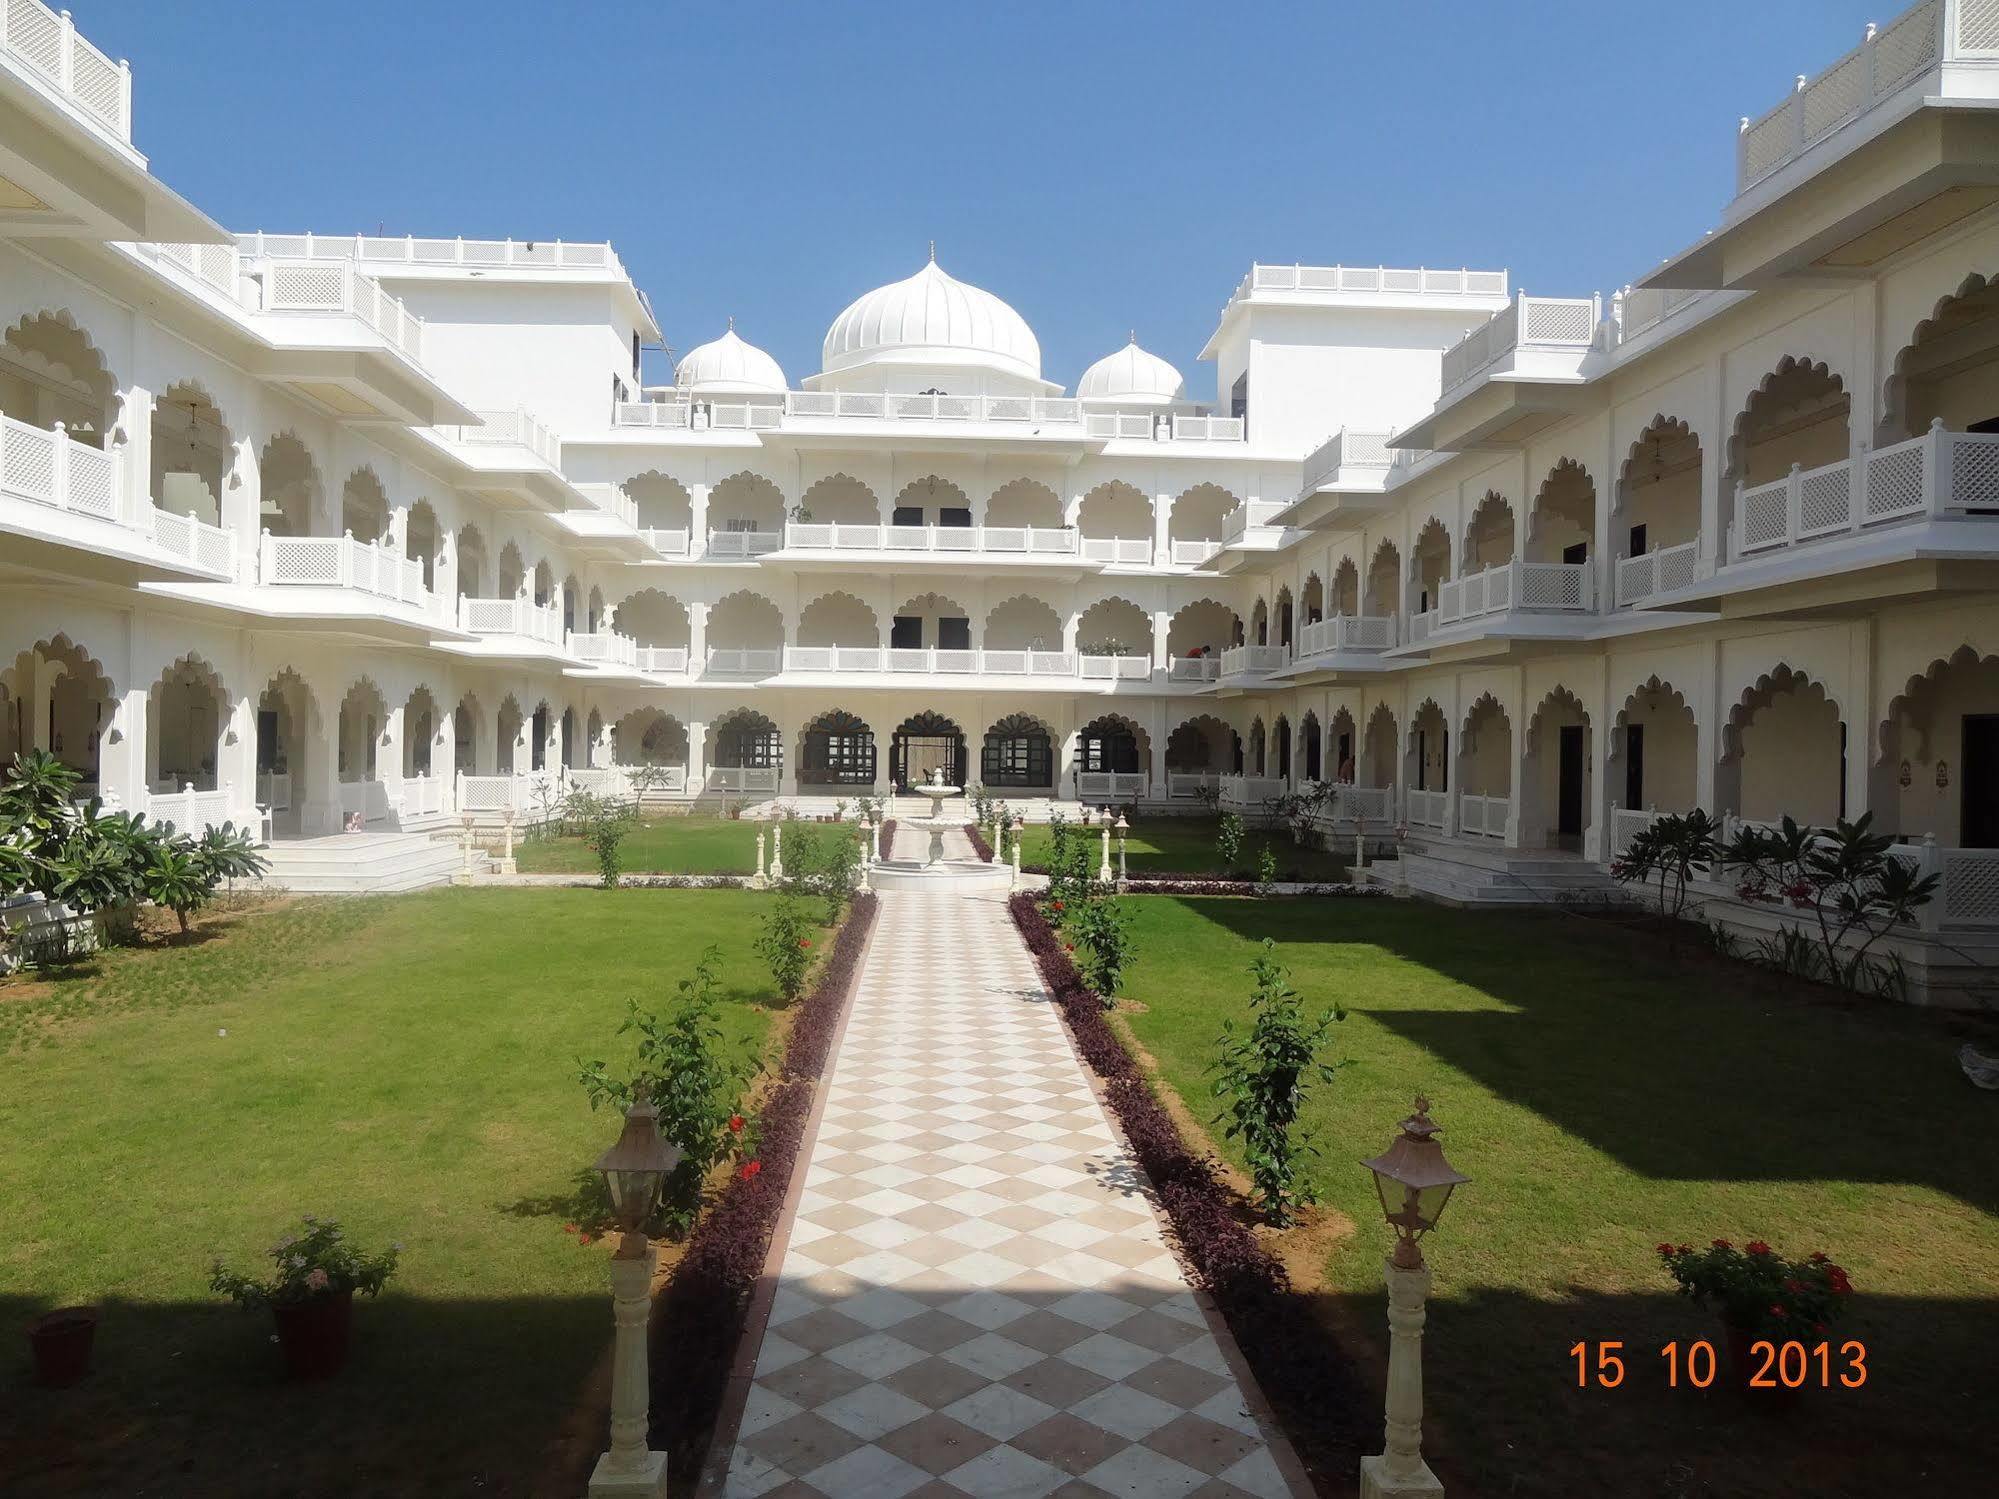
point(406, 1065)
point(654, 845)
point(1605, 1096)
point(1160, 847)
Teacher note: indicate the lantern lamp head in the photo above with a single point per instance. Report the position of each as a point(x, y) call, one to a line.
point(636, 1166)
point(1414, 1181)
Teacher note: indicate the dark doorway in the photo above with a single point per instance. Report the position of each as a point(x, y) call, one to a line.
point(927, 742)
point(267, 740)
point(1577, 554)
point(1569, 785)
point(905, 633)
point(906, 515)
point(1634, 767)
point(1637, 542)
point(1978, 782)
point(954, 515)
point(954, 634)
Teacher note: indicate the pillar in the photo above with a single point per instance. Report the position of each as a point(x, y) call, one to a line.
point(697, 756)
point(242, 501)
point(133, 432)
point(697, 532)
point(317, 793)
point(697, 638)
point(236, 760)
point(1162, 626)
point(1162, 541)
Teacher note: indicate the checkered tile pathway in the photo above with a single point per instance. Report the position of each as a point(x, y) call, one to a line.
point(975, 1298)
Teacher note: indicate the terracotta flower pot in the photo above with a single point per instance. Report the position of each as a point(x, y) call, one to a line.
point(313, 1335)
point(61, 1340)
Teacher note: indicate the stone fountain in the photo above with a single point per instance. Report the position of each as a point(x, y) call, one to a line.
point(935, 823)
point(934, 871)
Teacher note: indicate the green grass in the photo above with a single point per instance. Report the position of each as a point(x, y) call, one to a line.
point(1603, 1097)
point(406, 1065)
point(1186, 845)
point(658, 845)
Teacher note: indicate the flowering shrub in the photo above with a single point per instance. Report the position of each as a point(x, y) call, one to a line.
point(311, 1265)
point(603, 824)
point(1228, 839)
point(1671, 849)
point(1757, 1289)
point(1101, 938)
point(785, 945)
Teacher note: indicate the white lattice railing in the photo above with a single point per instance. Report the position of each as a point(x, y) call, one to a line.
point(327, 286)
point(609, 647)
point(742, 778)
point(1627, 823)
point(1356, 804)
point(509, 429)
point(1194, 553)
point(421, 796)
point(495, 793)
point(218, 267)
point(342, 562)
point(1347, 448)
point(1347, 632)
point(49, 467)
point(1906, 55)
point(1640, 578)
point(668, 543)
point(1640, 309)
point(1109, 785)
point(616, 780)
point(1047, 541)
point(1372, 279)
point(1114, 668)
point(1940, 474)
point(193, 812)
point(1187, 785)
point(1027, 663)
point(1125, 551)
point(733, 661)
point(368, 798)
point(47, 45)
point(1428, 809)
point(1249, 791)
point(1562, 586)
point(1483, 816)
point(1245, 517)
point(408, 250)
point(726, 543)
point(1532, 323)
point(516, 616)
point(663, 660)
point(1130, 426)
point(195, 541)
point(832, 658)
point(672, 415)
point(1252, 660)
point(1194, 669)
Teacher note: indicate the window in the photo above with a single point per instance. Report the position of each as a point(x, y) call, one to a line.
point(1637, 542)
point(1017, 752)
point(906, 515)
point(839, 750)
point(1239, 395)
point(739, 525)
point(1107, 745)
point(954, 634)
point(749, 742)
point(905, 633)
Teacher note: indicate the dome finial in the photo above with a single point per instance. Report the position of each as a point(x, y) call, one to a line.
point(732, 322)
point(933, 252)
point(1134, 336)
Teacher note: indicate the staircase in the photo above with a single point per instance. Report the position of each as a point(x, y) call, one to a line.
point(1469, 874)
point(363, 863)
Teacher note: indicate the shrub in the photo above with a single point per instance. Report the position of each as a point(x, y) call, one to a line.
point(644, 780)
point(604, 825)
point(1266, 1075)
point(682, 1069)
point(1757, 1289)
point(1266, 870)
point(1672, 849)
point(1228, 840)
point(311, 1265)
point(785, 945)
point(1101, 931)
point(823, 864)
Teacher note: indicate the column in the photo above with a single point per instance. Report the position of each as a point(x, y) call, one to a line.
point(697, 756)
point(444, 577)
point(1162, 626)
point(697, 638)
point(121, 766)
point(318, 790)
point(697, 535)
point(1162, 541)
point(242, 506)
point(236, 761)
point(133, 435)
point(444, 755)
point(389, 752)
point(1158, 730)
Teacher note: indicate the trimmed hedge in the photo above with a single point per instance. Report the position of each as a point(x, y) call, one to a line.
point(697, 1320)
point(1195, 885)
point(1329, 1409)
point(979, 845)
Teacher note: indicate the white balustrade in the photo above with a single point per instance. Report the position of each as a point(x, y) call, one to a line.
point(516, 616)
point(1129, 551)
point(274, 790)
point(1114, 668)
point(1347, 632)
point(1626, 824)
point(1037, 540)
point(1565, 586)
point(421, 795)
point(1208, 429)
point(49, 467)
point(1109, 785)
point(342, 562)
point(194, 812)
point(738, 662)
point(744, 778)
point(1187, 785)
point(410, 250)
point(1363, 803)
point(510, 429)
point(1346, 449)
point(1531, 323)
point(47, 44)
point(1641, 578)
point(1483, 816)
point(1250, 791)
point(663, 660)
point(495, 793)
point(1248, 516)
point(1428, 809)
point(368, 798)
point(668, 543)
point(727, 543)
point(1373, 279)
point(195, 541)
point(1252, 660)
point(1194, 553)
point(611, 648)
point(335, 287)
point(674, 415)
point(1194, 669)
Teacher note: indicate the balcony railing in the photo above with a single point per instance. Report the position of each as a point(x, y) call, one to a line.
point(1109, 785)
point(1888, 60)
point(677, 412)
point(1195, 553)
point(1128, 551)
point(1347, 632)
point(609, 647)
point(1538, 323)
point(1347, 449)
point(1114, 668)
point(1250, 791)
point(732, 661)
point(47, 44)
point(1561, 586)
point(1052, 541)
point(1239, 521)
point(1640, 578)
point(1416, 281)
point(1194, 669)
point(518, 617)
point(317, 286)
point(195, 541)
point(342, 562)
point(1428, 809)
point(510, 428)
point(662, 660)
point(407, 250)
point(1939, 475)
point(743, 543)
point(1483, 816)
point(1187, 785)
point(742, 778)
point(219, 267)
point(194, 812)
point(49, 467)
point(1253, 660)
point(668, 543)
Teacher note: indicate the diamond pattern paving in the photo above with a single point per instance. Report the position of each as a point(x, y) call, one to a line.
point(976, 1298)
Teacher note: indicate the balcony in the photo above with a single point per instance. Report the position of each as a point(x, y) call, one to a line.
point(342, 562)
point(47, 46)
point(606, 649)
point(1249, 524)
point(1639, 579)
point(1529, 326)
point(742, 544)
point(672, 542)
point(195, 542)
point(933, 661)
point(1349, 452)
point(1250, 791)
point(1114, 668)
point(1110, 786)
point(1559, 587)
point(726, 661)
point(1347, 634)
point(662, 660)
point(1253, 660)
point(1194, 669)
point(1386, 282)
point(319, 287)
point(1195, 553)
point(821, 410)
point(509, 429)
point(522, 619)
point(407, 250)
point(1017, 541)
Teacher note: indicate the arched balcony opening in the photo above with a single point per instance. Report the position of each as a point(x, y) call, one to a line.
point(1938, 767)
point(1018, 755)
point(509, 757)
point(1024, 502)
point(1343, 598)
point(594, 614)
point(544, 584)
point(1284, 618)
point(193, 453)
point(1557, 782)
point(538, 736)
point(745, 504)
point(475, 565)
point(1788, 476)
point(1380, 749)
point(745, 622)
point(1311, 748)
point(1654, 754)
point(931, 501)
point(664, 510)
point(1116, 627)
point(1024, 624)
point(924, 747)
point(513, 573)
point(1199, 752)
point(1259, 623)
point(1109, 746)
point(422, 733)
point(596, 753)
point(1485, 770)
point(836, 749)
point(1656, 525)
point(571, 594)
point(647, 736)
point(566, 737)
point(1256, 753)
point(468, 730)
point(838, 620)
point(1384, 583)
point(1280, 745)
point(1197, 522)
point(1429, 567)
point(1202, 630)
point(746, 750)
point(839, 500)
point(1784, 752)
point(51, 372)
point(1312, 600)
point(187, 716)
point(1948, 371)
point(423, 540)
point(363, 717)
point(930, 621)
point(1429, 763)
point(1115, 520)
point(364, 506)
point(288, 486)
point(288, 726)
point(1562, 526)
point(653, 619)
point(63, 703)
point(1343, 748)
point(1489, 534)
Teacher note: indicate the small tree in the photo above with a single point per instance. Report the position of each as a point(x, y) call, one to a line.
point(604, 825)
point(1266, 870)
point(1100, 928)
point(1266, 1075)
point(183, 874)
point(823, 866)
point(1228, 840)
point(785, 945)
point(1671, 849)
point(644, 779)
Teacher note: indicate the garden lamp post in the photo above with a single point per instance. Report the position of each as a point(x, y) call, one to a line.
point(760, 882)
point(1414, 1181)
point(1019, 837)
point(1104, 864)
point(1123, 827)
point(635, 1169)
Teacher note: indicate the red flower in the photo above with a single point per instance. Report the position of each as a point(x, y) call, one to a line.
point(1793, 1286)
point(1819, 1256)
point(569, 1228)
point(1776, 1311)
point(803, 944)
point(1684, 1249)
point(1757, 1246)
point(583, 1238)
point(1055, 905)
point(735, 1124)
point(750, 1169)
point(1723, 1244)
point(1665, 1249)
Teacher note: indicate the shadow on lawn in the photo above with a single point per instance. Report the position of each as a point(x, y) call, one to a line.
point(499, 1397)
point(1506, 1418)
point(1682, 1067)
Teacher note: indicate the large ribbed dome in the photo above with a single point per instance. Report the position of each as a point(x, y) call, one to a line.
point(1132, 377)
point(933, 319)
point(729, 366)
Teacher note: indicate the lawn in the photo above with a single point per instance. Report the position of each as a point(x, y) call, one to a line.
point(657, 845)
point(406, 1065)
point(1602, 1098)
point(1186, 846)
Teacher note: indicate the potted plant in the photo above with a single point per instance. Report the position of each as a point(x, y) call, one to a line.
point(61, 1341)
point(1759, 1294)
point(311, 1293)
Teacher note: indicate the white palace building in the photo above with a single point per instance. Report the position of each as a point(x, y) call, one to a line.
point(298, 530)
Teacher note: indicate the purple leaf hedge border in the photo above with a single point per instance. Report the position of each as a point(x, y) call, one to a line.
point(697, 1319)
point(979, 845)
point(1323, 1399)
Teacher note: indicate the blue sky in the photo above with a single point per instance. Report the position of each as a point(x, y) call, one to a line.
point(1101, 166)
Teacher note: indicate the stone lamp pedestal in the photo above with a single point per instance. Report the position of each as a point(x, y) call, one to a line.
point(1399, 1472)
point(629, 1470)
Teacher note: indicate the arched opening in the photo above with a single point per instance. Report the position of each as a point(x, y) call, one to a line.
point(1784, 752)
point(1557, 783)
point(838, 619)
point(51, 372)
point(931, 501)
point(1284, 613)
point(508, 752)
point(665, 510)
point(596, 753)
point(1429, 566)
point(1384, 583)
point(1654, 751)
point(1342, 747)
point(653, 619)
point(1114, 627)
point(1259, 623)
point(1024, 502)
point(1203, 628)
point(1197, 521)
point(1018, 755)
point(925, 746)
point(364, 506)
point(594, 617)
point(422, 732)
point(1256, 749)
point(1280, 735)
point(1344, 596)
point(1199, 752)
point(288, 487)
point(1562, 527)
point(512, 574)
point(192, 453)
point(1117, 511)
point(187, 716)
point(647, 736)
point(1429, 754)
point(836, 749)
point(930, 621)
point(1796, 418)
point(1311, 748)
point(1940, 754)
point(474, 565)
point(1312, 600)
point(468, 726)
point(62, 702)
point(745, 622)
point(1024, 624)
point(1379, 749)
point(840, 500)
point(746, 503)
point(571, 594)
point(1949, 370)
point(423, 539)
point(1110, 745)
point(538, 723)
point(1659, 490)
point(566, 734)
point(1485, 770)
point(287, 725)
point(1489, 534)
point(743, 739)
point(363, 716)
point(544, 584)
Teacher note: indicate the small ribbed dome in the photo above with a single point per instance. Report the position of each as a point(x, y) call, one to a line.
point(1132, 377)
point(932, 318)
point(729, 366)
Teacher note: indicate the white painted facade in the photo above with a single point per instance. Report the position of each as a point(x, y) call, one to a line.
point(410, 501)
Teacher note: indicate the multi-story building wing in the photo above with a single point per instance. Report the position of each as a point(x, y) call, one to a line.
point(370, 531)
